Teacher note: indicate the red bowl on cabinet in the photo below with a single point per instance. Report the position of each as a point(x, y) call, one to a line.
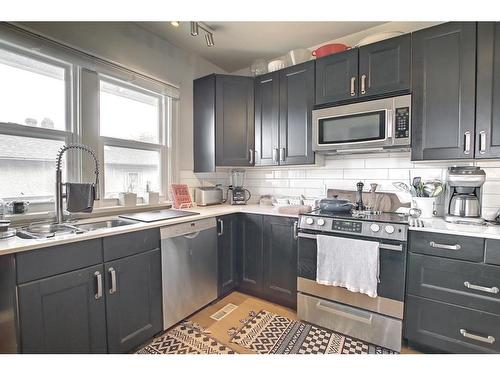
point(328, 49)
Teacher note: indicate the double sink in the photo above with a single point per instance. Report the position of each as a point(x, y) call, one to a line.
point(48, 230)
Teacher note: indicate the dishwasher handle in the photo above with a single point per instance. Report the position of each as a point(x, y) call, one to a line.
point(190, 236)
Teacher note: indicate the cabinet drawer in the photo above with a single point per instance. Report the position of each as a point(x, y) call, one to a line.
point(130, 243)
point(447, 245)
point(451, 328)
point(37, 264)
point(492, 255)
point(466, 284)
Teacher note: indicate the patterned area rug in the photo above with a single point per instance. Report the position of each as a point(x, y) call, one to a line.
point(185, 338)
point(268, 333)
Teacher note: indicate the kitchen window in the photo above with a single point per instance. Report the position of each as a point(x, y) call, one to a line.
point(35, 121)
point(132, 126)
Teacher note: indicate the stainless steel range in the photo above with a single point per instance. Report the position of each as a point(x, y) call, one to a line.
point(376, 320)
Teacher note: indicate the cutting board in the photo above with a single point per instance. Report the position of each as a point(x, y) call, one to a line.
point(385, 202)
point(150, 216)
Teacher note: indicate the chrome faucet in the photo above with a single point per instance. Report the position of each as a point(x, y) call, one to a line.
point(59, 184)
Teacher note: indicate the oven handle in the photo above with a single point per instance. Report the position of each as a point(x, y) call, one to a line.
point(383, 246)
point(365, 319)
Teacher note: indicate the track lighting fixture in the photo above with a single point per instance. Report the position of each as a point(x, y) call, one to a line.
point(209, 33)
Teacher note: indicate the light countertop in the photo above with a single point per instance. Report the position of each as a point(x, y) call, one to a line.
point(438, 225)
point(16, 244)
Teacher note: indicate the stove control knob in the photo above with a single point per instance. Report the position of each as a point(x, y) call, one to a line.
point(309, 221)
point(321, 222)
point(375, 227)
point(389, 229)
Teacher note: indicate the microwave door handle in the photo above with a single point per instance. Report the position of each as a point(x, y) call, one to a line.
point(390, 123)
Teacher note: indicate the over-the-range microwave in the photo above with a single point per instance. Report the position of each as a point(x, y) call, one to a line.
point(375, 125)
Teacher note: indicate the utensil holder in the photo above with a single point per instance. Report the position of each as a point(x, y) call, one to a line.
point(425, 205)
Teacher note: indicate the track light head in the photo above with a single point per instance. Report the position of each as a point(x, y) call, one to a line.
point(209, 38)
point(194, 28)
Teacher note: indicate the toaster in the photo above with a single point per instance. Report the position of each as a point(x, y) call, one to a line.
point(206, 196)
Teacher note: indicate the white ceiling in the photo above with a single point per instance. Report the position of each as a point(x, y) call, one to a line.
point(238, 44)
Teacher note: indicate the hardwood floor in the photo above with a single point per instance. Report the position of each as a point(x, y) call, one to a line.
point(219, 329)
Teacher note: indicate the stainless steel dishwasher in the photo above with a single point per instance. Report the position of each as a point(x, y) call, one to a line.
point(189, 268)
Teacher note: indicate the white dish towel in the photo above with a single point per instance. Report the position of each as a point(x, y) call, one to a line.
point(348, 263)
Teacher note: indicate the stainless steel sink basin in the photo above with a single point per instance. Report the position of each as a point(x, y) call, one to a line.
point(47, 230)
point(104, 224)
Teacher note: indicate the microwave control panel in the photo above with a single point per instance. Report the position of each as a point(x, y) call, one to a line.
point(402, 122)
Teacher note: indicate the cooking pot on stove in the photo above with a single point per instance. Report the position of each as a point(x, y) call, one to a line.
point(335, 205)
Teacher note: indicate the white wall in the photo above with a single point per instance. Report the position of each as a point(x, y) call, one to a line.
point(131, 46)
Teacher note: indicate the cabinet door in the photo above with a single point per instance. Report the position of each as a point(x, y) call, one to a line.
point(204, 124)
point(488, 90)
point(64, 313)
point(384, 67)
point(250, 255)
point(443, 111)
point(296, 103)
point(267, 102)
point(336, 77)
point(234, 121)
point(227, 245)
point(133, 300)
point(280, 260)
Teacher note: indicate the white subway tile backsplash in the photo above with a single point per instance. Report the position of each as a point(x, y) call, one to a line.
point(344, 171)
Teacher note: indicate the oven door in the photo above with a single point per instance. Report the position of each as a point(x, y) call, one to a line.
point(391, 289)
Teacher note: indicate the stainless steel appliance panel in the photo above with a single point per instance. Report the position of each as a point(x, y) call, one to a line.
point(189, 268)
point(355, 322)
point(369, 125)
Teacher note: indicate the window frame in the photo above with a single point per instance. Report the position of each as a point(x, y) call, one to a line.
point(67, 135)
point(164, 125)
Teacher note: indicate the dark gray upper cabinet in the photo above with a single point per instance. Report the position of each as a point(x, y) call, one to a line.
point(234, 121)
point(223, 122)
point(267, 104)
point(280, 260)
point(133, 300)
point(384, 67)
point(444, 85)
point(63, 313)
point(250, 254)
point(488, 90)
point(336, 77)
point(227, 249)
point(204, 124)
point(296, 104)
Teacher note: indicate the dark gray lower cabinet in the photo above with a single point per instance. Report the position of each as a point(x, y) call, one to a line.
point(250, 255)
point(268, 258)
point(451, 328)
point(227, 251)
point(63, 313)
point(280, 260)
point(133, 300)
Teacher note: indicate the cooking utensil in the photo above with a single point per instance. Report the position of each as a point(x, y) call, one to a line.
point(417, 184)
point(402, 186)
point(335, 205)
point(437, 192)
point(329, 49)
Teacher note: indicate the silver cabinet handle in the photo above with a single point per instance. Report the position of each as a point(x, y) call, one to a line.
point(282, 154)
point(488, 340)
point(251, 157)
point(112, 272)
point(275, 155)
point(353, 86)
point(467, 142)
point(482, 142)
point(221, 232)
point(493, 290)
point(446, 247)
point(295, 230)
point(98, 277)
point(363, 84)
